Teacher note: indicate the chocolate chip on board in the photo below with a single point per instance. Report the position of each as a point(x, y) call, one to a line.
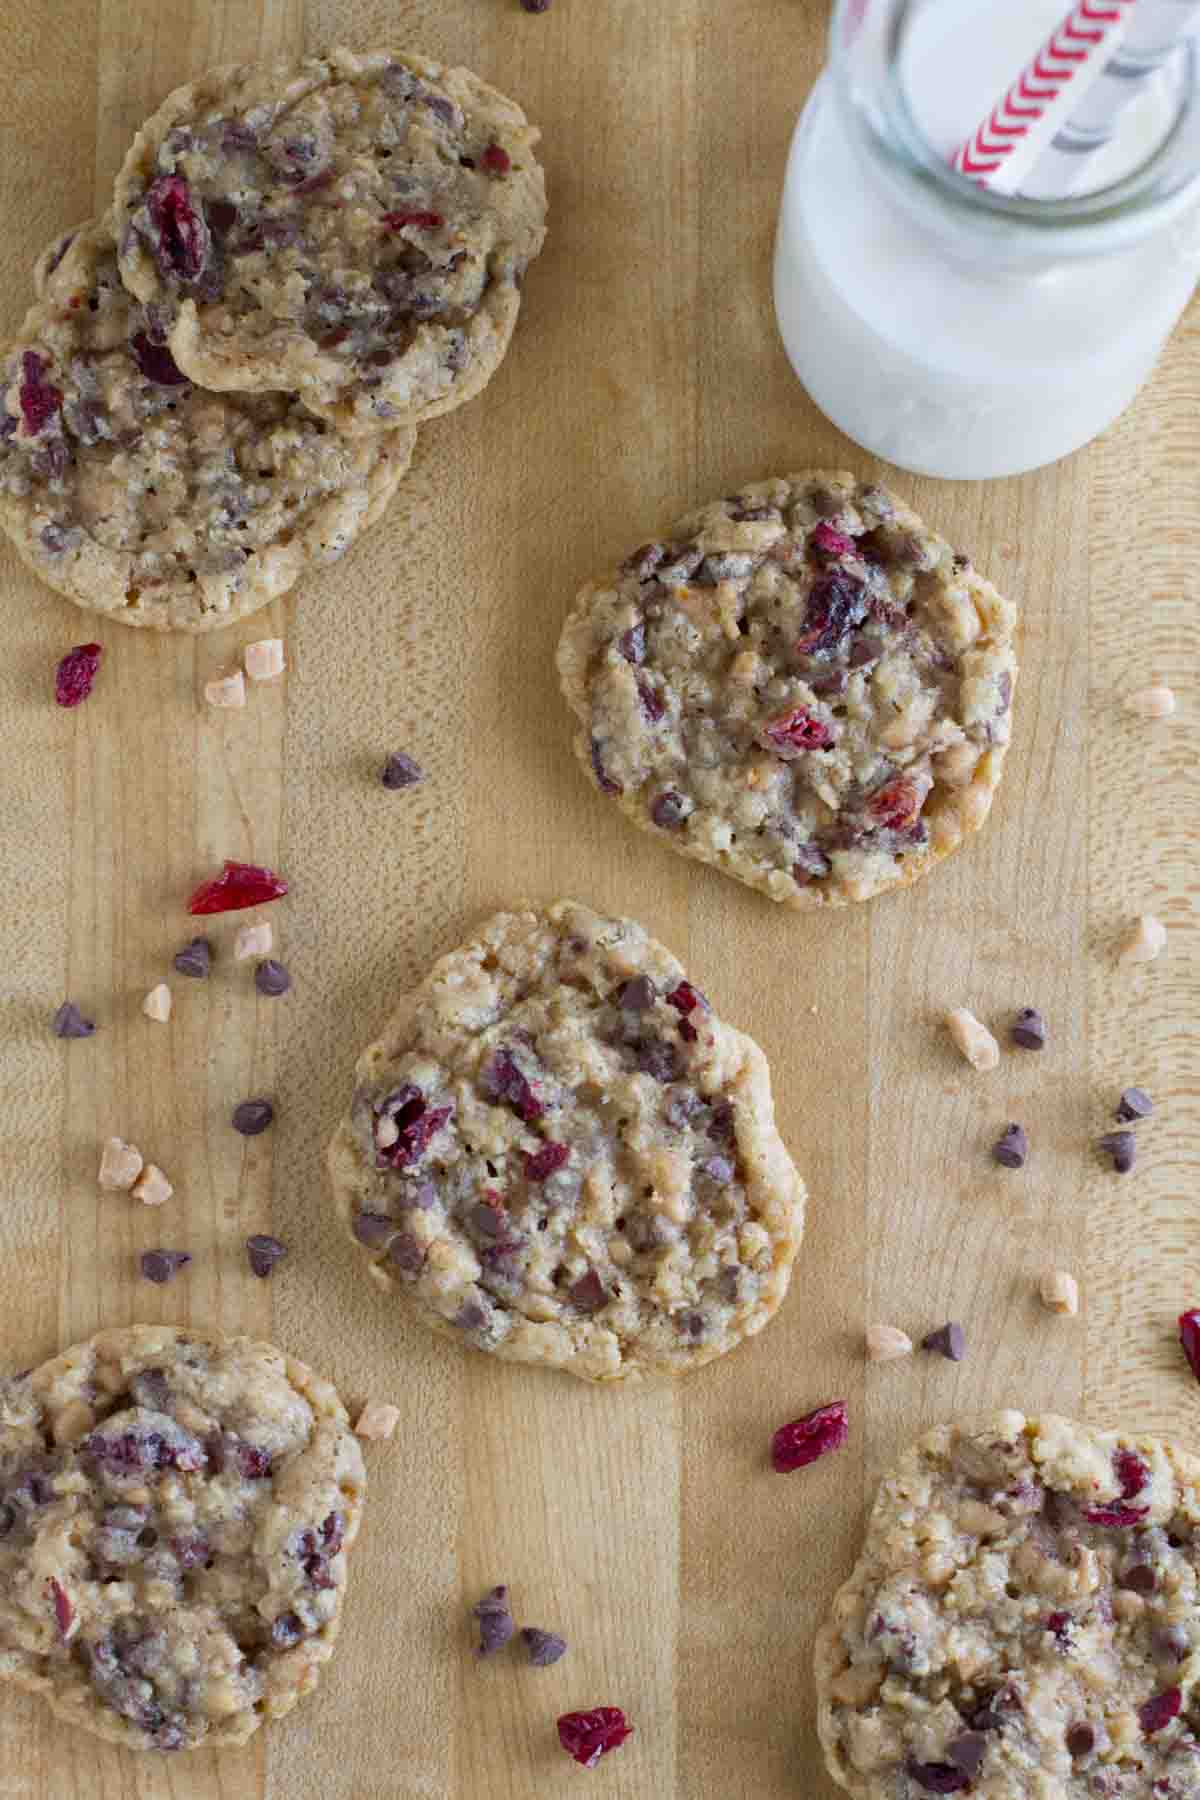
point(271, 979)
point(163, 1265)
point(1028, 1030)
point(195, 959)
point(263, 1253)
point(1122, 1147)
point(1012, 1149)
point(949, 1340)
point(401, 771)
point(1135, 1103)
point(252, 1116)
point(69, 1022)
point(544, 1647)
point(495, 1621)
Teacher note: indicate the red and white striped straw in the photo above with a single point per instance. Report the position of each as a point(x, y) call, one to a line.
point(1038, 86)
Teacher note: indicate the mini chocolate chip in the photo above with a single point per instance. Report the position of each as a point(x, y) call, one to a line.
point(1122, 1147)
point(637, 994)
point(949, 1340)
point(373, 1229)
point(496, 1624)
point(250, 1117)
point(544, 1647)
point(195, 959)
point(272, 979)
point(163, 1265)
point(1135, 1103)
point(1012, 1149)
point(1080, 1739)
point(400, 771)
point(69, 1022)
point(967, 1751)
point(263, 1253)
point(1138, 1579)
point(1029, 1029)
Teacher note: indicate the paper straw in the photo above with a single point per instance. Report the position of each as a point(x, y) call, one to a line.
point(1156, 30)
point(1038, 86)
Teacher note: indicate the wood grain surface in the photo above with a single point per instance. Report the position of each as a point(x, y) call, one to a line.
point(645, 377)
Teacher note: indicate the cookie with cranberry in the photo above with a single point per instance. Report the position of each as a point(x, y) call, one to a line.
point(803, 685)
point(352, 226)
point(139, 495)
point(559, 1153)
point(175, 1515)
point(1023, 1620)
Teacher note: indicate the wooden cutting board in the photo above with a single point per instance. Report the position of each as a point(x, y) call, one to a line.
point(646, 376)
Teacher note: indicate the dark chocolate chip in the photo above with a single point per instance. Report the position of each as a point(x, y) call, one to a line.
point(163, 1265)
point(1028, 1029)
point(637, 994)
point(1139, 1578)
point(967, 1751)
point(535, 6)
point(263, 1253)
point(69, 1022)
point(669, 810)
point(373, 1229)
point(1012, 1149)
point(544, 1647)
point(250, 1117)
point(1122, 1147)
point(589, 1293)
point(1080, 1739)
point(1135, 1103)
point(272, 979)
point(400, 771)
point(195, 959)
point(949, 1340)
point(496, 1624)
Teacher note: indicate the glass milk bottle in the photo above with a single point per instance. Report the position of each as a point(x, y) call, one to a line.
point(955, 330)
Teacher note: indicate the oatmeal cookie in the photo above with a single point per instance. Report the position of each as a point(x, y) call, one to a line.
point(802, 684)
point(355, 227)
point(562, 1155)
point(143, 497)
point(1023, 1621)
point(175, 1515)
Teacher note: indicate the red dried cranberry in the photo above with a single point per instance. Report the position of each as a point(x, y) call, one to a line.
point(827, 541)
point(496, 160)
point(796, 1445)
point(75, 674)
point(64, 1612)
point(652, 701)
point(238, 886)
point(253, 1462)
point(939, 1777)
point(417, 1123)
point(1158, 1711)
point(1115, 1514)
point(156, 362)
point(183, 236)
point(836, 605)
point(39, 401)
point(896, 805)
point(1060, 1625)
point(503, 1080)
point(1189, 1337)
point(545, 1161)
point(333, 1532)
point(797, 730)
point(685, 998)
point(420, 221)
point(1132, 1473)
point(587, 1736)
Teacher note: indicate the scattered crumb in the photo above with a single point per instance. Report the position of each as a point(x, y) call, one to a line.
point(972, 1040)
point(1145, 939)
point(1059, 1292)
point(157, 1004)
point(253, 940)
point(227, 690)
point(885, 1343)
point(264, 659)
point(377, 1420)
point(152, 1187)
point(1151, 703)
point(120, 1164)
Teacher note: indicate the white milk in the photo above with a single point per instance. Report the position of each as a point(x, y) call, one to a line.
point(921, 340)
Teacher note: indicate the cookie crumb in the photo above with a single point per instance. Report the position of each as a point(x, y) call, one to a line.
point(264, 659)
point(377, 1420)
point(152, 1187)
point(885, 1343)
point(226, 690)
point(157, 1004)
point(1151, 703)
point(1144, 940)
point(973, 1040)
point(1059, 1292)
point(1135, 1103)
point(253, 940)
point(120, 1165)
point(949, 1340)
point(69, 1022)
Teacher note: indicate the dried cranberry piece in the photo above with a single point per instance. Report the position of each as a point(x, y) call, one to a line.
point(685, 998)
point(652, 701)
point(545, 1161)
point(587, 1736)
point(644, 561)
point(156, 362)
point(183, 237)
point(1189, 1337)
point(496, 160)
point(1115, 1514)
point(795, 731)
point(896, 805)
point(253, 1462)
point(38, 399)
point(333, 1532)
point(1132, 1473)
point(939, 1777)
point(238, 886)
point(1155, 1713)
point(417, 1122)
point(420, 221)
point(632, 644)
point(1060, 1625)
point(837, 603)
point(191, 1551)
point(802, 1441)
point(64, 1612)
point(76, 673)
point(826, 541)
point(503, 1080)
